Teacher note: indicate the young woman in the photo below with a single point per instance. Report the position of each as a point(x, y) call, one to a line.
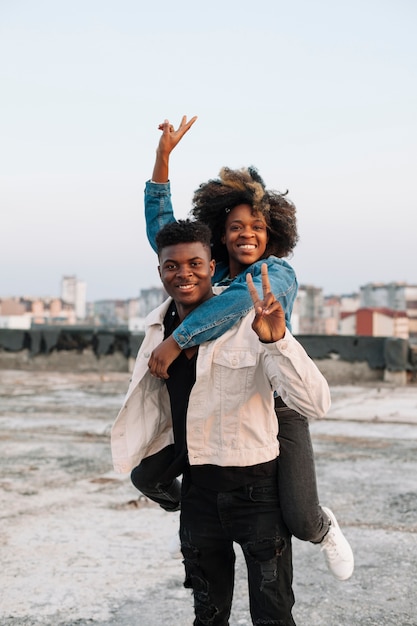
point(250, 225)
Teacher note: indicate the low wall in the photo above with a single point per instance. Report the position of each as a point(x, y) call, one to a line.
point(343, 360)
point(354, 359)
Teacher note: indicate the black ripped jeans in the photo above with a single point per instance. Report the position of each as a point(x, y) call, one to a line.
point(250, 516)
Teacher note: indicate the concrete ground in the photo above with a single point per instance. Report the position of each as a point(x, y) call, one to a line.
point(79, 548)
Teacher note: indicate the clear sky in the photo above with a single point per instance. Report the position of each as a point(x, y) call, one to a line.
point(319, 96)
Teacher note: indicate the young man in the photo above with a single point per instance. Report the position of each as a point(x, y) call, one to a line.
point(222, 436)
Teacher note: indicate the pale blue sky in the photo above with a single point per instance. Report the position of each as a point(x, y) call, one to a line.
point(320, 96)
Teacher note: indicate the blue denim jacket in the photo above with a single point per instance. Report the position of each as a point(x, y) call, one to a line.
point(212, 318)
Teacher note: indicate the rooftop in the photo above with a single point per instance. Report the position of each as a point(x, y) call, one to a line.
point(78, 547)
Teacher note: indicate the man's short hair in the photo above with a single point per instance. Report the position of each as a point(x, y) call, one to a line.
point(183, 231)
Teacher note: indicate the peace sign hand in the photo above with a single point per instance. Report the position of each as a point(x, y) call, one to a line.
point(171, 136)
point(269, 321)
point(167, 142)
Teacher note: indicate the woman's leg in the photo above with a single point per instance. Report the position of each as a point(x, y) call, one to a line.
point(146, 477)
point(301, 511)
point(297, 483)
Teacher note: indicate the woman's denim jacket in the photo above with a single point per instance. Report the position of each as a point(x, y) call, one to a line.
point(212, 318)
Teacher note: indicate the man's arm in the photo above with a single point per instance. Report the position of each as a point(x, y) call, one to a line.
point(293, 375)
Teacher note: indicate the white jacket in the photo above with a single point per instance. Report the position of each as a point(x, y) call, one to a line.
point(231, 419)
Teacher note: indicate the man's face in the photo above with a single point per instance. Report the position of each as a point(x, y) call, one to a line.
point(186, 271)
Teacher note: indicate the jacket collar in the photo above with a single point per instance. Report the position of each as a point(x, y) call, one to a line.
point(157, 315)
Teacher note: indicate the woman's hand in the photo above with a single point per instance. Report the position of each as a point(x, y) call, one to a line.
point(269, 321)
point(169, 139)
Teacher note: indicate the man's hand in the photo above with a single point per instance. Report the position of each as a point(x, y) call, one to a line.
point(162, 357)
point(169, 139)
point(269, 321)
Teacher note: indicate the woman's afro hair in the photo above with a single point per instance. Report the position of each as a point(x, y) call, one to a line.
point(213, 201)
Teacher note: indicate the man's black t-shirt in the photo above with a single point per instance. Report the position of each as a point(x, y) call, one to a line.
point(182, 374)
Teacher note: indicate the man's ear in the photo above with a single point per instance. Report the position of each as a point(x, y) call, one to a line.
point(159, 272)
point(212, 267)
point(223, 239)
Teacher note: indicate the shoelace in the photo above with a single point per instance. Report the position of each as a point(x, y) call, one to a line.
point(329, 544)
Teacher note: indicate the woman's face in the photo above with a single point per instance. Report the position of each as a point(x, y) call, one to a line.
point(245, 237)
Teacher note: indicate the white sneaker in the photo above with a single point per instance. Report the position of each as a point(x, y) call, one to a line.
point(174, 547)
point(337, 551)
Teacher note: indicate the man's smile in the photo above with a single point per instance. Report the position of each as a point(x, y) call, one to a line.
point(186, 286)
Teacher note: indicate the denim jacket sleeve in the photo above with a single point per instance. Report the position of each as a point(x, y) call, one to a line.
point(158, 209)
point(215, 316)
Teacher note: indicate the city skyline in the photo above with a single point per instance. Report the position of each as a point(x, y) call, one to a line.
point(320, 97)
point(159, 286)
